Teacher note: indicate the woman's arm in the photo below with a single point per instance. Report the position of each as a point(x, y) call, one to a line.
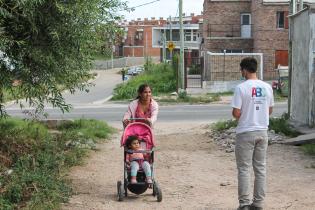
point(129, 113)
point(154, 112)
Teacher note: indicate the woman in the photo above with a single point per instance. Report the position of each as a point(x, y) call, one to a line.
point(144, 106)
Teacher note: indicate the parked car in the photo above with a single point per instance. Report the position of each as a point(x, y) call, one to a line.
point(134, 70)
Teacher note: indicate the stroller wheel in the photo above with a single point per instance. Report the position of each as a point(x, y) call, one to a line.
point(120, 189)
point(157, 191)
point(125, 187)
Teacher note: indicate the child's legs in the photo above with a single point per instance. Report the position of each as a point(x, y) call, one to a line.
point(146, 168)
point(134, 167)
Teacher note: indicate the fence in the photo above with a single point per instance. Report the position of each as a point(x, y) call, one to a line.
point(121, 62)
point(226, 66)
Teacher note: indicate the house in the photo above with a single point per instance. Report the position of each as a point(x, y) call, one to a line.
point(248, 26)
point(146, 37)
point(170, 33)
point(137, 41)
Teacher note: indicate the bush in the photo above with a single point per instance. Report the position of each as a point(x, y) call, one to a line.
point(224, 125)
point(32, 175)
point(309, 149)
point(281, 125)
point(160, 78)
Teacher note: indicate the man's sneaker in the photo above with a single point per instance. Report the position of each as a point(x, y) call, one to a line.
point(244, 208)
point(252, 207)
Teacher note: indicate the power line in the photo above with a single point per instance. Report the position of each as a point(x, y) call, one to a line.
point(145, 4)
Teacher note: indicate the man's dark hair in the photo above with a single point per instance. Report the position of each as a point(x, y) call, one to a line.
point(249, 64)
point(130, 139)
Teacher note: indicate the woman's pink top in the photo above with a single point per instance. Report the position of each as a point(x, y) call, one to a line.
point(134, 112)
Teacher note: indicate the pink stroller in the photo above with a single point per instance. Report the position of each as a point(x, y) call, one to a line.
point(144, 133)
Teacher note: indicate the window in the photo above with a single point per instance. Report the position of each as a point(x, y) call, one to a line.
point(187, 35)
point(245, 19)
point(195, 35)
point(282, 20)
point(139, 35)
point(175, 35)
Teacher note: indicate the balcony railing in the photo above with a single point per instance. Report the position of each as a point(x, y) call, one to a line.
point(230, 30)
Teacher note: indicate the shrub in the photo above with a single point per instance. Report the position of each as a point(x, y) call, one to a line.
point(159, 77)
point(32, 176)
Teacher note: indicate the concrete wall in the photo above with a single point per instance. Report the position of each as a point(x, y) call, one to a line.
point(302, 68)
point(312, 71)
point(121, 62)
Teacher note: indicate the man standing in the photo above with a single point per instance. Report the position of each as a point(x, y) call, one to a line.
point(252, 104)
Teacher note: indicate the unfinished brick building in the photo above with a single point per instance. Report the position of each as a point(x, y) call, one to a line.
point(137, 41)
point(248, 26)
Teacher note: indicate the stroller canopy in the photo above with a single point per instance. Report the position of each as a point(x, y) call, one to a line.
point(142, 130)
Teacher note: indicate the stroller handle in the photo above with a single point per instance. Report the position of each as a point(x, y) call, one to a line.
point(137, 118)
point(130, 151)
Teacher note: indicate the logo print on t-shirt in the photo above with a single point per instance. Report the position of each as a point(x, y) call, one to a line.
point(258, 92)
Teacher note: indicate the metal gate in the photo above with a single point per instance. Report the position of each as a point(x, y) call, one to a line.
point(193, 72)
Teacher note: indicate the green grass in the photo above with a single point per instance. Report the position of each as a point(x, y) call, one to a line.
point(224, 125)
point(160, 77)
point(279, 125)
point(309, 149)
point(191, 99)
point(278, 96)
point(39, 160)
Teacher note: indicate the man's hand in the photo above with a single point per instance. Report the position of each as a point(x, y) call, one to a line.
point(236, 113)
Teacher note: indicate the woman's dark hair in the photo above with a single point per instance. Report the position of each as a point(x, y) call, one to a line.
point(249, 64)
point(130, 139)
point(142, 88)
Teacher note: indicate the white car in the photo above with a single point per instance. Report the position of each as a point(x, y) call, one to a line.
point(134, 70)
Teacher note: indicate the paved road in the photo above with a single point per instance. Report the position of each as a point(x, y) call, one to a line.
point(92, 105)
point(103, 87)
point(113, 113)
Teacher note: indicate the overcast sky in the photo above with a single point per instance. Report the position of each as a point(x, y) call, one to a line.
point(162, 8)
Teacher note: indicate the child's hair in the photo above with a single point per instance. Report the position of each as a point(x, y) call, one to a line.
point(130, 139)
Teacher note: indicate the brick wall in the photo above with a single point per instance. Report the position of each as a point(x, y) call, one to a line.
point(139, 47)
point(217, 14)
point(267, 38)
point(226, 68)
point(217, 45)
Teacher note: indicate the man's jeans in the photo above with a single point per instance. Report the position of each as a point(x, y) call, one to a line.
point(251, 150)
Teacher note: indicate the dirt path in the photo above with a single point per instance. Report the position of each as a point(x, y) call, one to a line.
point(193, 174)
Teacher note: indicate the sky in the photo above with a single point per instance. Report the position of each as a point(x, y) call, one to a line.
point(162, 8)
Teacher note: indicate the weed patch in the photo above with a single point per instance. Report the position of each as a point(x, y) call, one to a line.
point(32, 175)
point(309, 149)
point(160, 78)
point(224, 125)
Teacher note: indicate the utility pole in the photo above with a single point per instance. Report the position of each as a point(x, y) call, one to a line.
point(171, 38)
point(181, 57)
point(292, 10)
point(164, 46)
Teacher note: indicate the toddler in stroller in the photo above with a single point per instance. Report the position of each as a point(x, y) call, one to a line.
point(137, 158)
point(138, 143)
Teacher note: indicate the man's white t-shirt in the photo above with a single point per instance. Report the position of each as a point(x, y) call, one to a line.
point(253, 98)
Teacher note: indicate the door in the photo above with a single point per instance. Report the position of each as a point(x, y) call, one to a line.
point(246, 25)
point(281, 58)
